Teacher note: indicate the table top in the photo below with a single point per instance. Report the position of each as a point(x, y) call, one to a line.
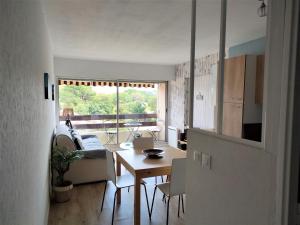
point(126, 145)
point(136, 160)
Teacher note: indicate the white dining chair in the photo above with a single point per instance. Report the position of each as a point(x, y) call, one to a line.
point(154, 132)
point(143, 143)
point(111, 134)
point(120, 182)
point(175, 186)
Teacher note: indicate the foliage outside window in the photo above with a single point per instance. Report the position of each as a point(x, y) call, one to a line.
point(86, 101)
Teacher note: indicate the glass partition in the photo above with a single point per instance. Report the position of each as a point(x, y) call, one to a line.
point(141, 111)
point(207, 41)
point(244, 70)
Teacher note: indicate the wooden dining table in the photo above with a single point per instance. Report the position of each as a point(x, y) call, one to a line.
point(141, 167)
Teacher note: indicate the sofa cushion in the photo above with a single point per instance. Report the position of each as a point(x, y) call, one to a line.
point(78, 142)
point(92, 147)
point(63, 130)
point(89, 144)
point(63, 138)
point(92, 143)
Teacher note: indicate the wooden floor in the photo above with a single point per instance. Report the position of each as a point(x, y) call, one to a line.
point(84, 207)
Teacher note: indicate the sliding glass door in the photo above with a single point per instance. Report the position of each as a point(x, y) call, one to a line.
point(141, 111)
point(115, 111)
point(91, 107)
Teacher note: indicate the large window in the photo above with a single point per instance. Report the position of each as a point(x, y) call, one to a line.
point(114, 111)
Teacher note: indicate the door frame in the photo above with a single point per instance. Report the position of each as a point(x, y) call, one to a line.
point(288, 152)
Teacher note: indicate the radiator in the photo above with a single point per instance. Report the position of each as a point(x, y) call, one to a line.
point(172, 136)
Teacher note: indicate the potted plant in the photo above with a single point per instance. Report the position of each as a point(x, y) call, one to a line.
point(60, 161)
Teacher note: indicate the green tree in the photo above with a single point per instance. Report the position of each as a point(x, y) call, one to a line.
point(76, 97)
point(85, 101)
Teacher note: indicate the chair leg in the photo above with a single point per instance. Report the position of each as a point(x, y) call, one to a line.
point(168, 211)
point(103, 196)
point(162, 179)
point(149, 213)
point(153, 201)
point(182, 203)
point(113, 213)
point(179, 197)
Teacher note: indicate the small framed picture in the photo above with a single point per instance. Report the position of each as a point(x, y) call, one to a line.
point(53, 91)
point(46, 91)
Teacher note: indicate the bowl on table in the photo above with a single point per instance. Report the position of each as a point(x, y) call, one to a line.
point(153, 153)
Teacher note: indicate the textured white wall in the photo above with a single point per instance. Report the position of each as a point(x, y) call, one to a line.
point(205, 83)
point(97, 70)
point(27, 119)
point(176, 95)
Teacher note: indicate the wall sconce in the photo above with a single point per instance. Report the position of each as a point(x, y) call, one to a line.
point(262, 10)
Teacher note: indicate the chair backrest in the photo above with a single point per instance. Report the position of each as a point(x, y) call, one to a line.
point(143, 143)
point(110, 165)
point(105, 126)
point(177, 185)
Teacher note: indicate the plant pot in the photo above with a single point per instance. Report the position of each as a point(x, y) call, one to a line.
point(63, 193)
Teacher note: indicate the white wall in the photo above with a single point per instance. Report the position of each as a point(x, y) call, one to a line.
point(205, 85)
point(97, 70)
point(27, 119)
point(205, 107)
point(238, 190)
point(177, 97)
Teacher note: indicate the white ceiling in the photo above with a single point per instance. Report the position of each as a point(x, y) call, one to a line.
point(145, 31)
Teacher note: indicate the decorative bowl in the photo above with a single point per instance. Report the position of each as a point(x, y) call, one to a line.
point(153, 153)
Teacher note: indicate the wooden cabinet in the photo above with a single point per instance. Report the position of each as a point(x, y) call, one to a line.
point(243, 83)
point(234, 79)
point(233, 119)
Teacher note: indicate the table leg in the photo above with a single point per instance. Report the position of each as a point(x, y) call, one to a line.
point(118, 174)
point(137, 200)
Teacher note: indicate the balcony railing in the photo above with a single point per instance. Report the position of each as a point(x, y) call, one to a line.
point(110, 121)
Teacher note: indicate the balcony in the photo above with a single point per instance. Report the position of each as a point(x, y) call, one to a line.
point(100, 125)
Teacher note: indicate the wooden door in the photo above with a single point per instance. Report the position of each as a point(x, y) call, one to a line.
point(232, 119)
point(234, 79)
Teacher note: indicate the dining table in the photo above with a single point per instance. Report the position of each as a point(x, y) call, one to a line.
point(142, 167)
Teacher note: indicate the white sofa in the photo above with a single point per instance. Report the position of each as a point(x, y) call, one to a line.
point(92, 167)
